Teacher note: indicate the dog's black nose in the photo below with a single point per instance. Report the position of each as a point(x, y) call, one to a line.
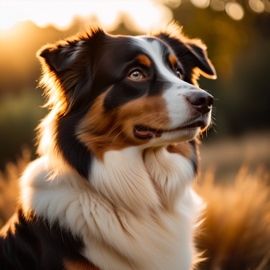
point(201, 101)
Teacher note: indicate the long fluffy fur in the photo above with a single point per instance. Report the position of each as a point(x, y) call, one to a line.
point(142, 237)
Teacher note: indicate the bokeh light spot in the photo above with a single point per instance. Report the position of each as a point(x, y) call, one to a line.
point(201, 3)
point(267, 6)
point(256, 5)
point(217, 5)
point(173, 3)
point(235, 10)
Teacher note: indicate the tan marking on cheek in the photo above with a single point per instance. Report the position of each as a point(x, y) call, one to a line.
point(184, 149)
point(143, 59)
point(77, 265)
point(147, 111)
point(172, 60)
point(96, 128)
point(102, 132)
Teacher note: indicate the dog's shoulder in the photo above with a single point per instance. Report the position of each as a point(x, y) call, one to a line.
point(39, 245)
point(32, 241)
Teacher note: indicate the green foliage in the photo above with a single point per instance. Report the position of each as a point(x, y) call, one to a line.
point(19, 116)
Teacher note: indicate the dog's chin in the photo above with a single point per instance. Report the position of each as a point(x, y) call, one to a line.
point(183, 133)
point(177, 136)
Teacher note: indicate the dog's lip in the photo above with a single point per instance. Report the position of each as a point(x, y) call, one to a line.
point(146, 132)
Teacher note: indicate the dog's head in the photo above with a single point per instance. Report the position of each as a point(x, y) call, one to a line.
point(112, 92)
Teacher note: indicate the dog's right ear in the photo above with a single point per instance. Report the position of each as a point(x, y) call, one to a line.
point(62, 55)
point(68, 69)
point(65, 81)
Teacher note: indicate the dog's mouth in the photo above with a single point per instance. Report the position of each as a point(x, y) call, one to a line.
point(146, 132)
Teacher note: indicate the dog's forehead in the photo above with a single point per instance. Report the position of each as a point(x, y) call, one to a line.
point(117, 54)
point(153, 47)
point(162, 56)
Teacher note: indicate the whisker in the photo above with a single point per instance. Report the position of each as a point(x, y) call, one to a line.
point(132, 124)
point(128, 125)
point(160, 126)
point(150, 124)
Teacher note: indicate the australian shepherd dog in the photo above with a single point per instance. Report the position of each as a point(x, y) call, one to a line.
point(118, 155)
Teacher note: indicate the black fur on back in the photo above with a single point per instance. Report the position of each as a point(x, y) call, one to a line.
point(31, 243)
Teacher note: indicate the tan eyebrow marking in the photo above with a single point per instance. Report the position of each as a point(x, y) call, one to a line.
point(172, 60)
point(143, 59)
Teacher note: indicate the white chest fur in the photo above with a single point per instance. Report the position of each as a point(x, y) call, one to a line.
point(137, 213)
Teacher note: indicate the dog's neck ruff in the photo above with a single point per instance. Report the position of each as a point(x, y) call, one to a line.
point(136, 212)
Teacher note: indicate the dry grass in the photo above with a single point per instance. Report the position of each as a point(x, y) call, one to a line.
point(229, 154)
point(9, 186)
point(236, 231)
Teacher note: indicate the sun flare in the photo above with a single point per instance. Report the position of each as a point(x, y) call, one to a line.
point(141, 15)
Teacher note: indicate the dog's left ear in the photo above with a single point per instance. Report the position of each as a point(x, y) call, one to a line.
point(191, 53)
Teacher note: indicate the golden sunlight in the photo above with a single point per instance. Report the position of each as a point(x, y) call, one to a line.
point(141, 15)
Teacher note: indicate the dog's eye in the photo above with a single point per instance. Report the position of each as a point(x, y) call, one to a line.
point(179, 72)
point(136, 75)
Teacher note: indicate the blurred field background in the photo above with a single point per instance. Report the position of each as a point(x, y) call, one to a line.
point(237, 34)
